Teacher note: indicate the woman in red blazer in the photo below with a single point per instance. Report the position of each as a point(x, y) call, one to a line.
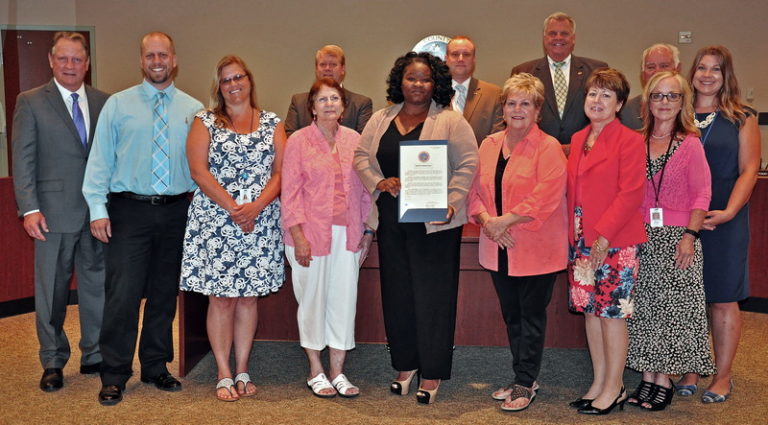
point(606, 185)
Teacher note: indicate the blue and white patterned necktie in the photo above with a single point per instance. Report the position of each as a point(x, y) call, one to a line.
point(161, 160)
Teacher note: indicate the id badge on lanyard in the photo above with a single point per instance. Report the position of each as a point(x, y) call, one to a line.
point(657, 217)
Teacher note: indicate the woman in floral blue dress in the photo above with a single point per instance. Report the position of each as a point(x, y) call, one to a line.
point(233, 250)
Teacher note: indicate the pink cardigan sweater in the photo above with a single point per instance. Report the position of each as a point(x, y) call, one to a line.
point(308, 188)
point(534, 186)
point(685, 187)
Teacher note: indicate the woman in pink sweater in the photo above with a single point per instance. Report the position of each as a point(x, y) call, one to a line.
point(668, 330)
point(518, 196)
point(324, 206)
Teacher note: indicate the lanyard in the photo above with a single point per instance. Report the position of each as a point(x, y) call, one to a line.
point(657, 190)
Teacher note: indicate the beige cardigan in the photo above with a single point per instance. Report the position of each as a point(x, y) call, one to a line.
point(441, 124)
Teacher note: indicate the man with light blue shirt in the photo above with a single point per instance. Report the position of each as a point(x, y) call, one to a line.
point(136, 187)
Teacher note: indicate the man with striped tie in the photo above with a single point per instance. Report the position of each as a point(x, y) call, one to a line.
point(136, 187)
point(563, 75)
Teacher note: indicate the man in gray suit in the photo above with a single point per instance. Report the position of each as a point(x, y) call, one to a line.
point(52, 131)
point(476, 99)
point(657, 58)
point(330, 62)
point(563, 75)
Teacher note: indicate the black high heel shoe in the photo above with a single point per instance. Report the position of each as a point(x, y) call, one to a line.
point(659, 399)
point(592, 410)
point(642, 393)
point(581, 403)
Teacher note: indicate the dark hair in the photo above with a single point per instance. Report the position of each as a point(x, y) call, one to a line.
point(440, 74)
point(609, 79)
point(317, 85)
point(728, 99)
point(71, 36)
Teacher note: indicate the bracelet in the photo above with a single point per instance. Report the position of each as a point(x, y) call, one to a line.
point(693, 233)
point(369, 232)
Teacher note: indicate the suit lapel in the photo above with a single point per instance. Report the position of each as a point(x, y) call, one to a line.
point(53, 95)
point(543, 74)
point(575, 83)
point(473, 98)
point(92, 114)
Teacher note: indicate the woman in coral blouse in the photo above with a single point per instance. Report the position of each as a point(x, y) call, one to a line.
point(324, 206)
point(518, 197)
point(606, 185)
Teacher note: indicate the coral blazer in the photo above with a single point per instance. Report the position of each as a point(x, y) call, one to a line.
point(533, 185)
point(610, 184)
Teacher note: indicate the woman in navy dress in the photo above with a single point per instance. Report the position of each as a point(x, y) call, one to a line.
point(731, 141)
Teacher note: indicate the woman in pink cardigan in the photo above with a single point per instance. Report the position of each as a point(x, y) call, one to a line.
point(324, 206)
point(668, 330)
point(518, 197)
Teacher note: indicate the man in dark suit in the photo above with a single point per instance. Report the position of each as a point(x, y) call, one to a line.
point(657, 58)
point(563, 75)
point(330, 62)
point(476, 99)
point(53, 126)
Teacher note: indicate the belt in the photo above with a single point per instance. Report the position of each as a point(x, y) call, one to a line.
point(150, 199)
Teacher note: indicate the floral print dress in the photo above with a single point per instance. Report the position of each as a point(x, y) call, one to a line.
point(605, 292)
point(219, 258)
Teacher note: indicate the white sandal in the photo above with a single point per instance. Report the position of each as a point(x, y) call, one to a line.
point(227, 383)
point(245, 378)
point(342, 385)
point(319, 383)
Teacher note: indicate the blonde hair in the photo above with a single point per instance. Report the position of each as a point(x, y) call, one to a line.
point(527, 84)
point(559, 16)
point(683, 121)
point(218, 105)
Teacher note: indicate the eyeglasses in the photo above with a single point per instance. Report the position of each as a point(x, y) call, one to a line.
point(235, 78)
point(671, 97)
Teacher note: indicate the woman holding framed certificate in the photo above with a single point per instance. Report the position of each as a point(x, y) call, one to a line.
point(419, 262)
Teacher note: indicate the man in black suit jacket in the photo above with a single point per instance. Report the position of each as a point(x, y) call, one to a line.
point(482, 105)
point(50, 149)
point(330, 62)
point(559, 41)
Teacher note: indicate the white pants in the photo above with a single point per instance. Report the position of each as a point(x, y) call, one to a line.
point(327, 295)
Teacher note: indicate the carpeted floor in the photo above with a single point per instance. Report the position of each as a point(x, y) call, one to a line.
point(279, 370)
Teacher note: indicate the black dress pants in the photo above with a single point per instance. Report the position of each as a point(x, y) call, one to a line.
point(419, 286)
point(143, 259)
point(524, 301)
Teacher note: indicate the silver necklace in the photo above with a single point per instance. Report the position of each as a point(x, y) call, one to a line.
point(707, 121)
point(663, 136)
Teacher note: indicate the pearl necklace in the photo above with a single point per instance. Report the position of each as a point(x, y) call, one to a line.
point(663, 136)
point(707, 121)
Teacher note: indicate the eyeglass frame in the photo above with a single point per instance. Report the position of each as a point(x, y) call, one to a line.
point(672, 97)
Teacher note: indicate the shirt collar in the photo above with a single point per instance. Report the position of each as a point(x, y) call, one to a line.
point(552, 61)
point(66, 93)
point(151, 90)
point(454, 83)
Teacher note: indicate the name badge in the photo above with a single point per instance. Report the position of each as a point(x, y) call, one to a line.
point(244, 196)
point(657, 217)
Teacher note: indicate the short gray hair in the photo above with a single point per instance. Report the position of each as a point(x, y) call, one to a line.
point(559, 16)
point(672, 49)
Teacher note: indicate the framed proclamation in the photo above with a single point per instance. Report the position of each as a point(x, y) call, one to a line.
point(423, 181)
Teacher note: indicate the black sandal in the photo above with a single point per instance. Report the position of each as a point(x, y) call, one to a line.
point(660, 399)
point(641, 394)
